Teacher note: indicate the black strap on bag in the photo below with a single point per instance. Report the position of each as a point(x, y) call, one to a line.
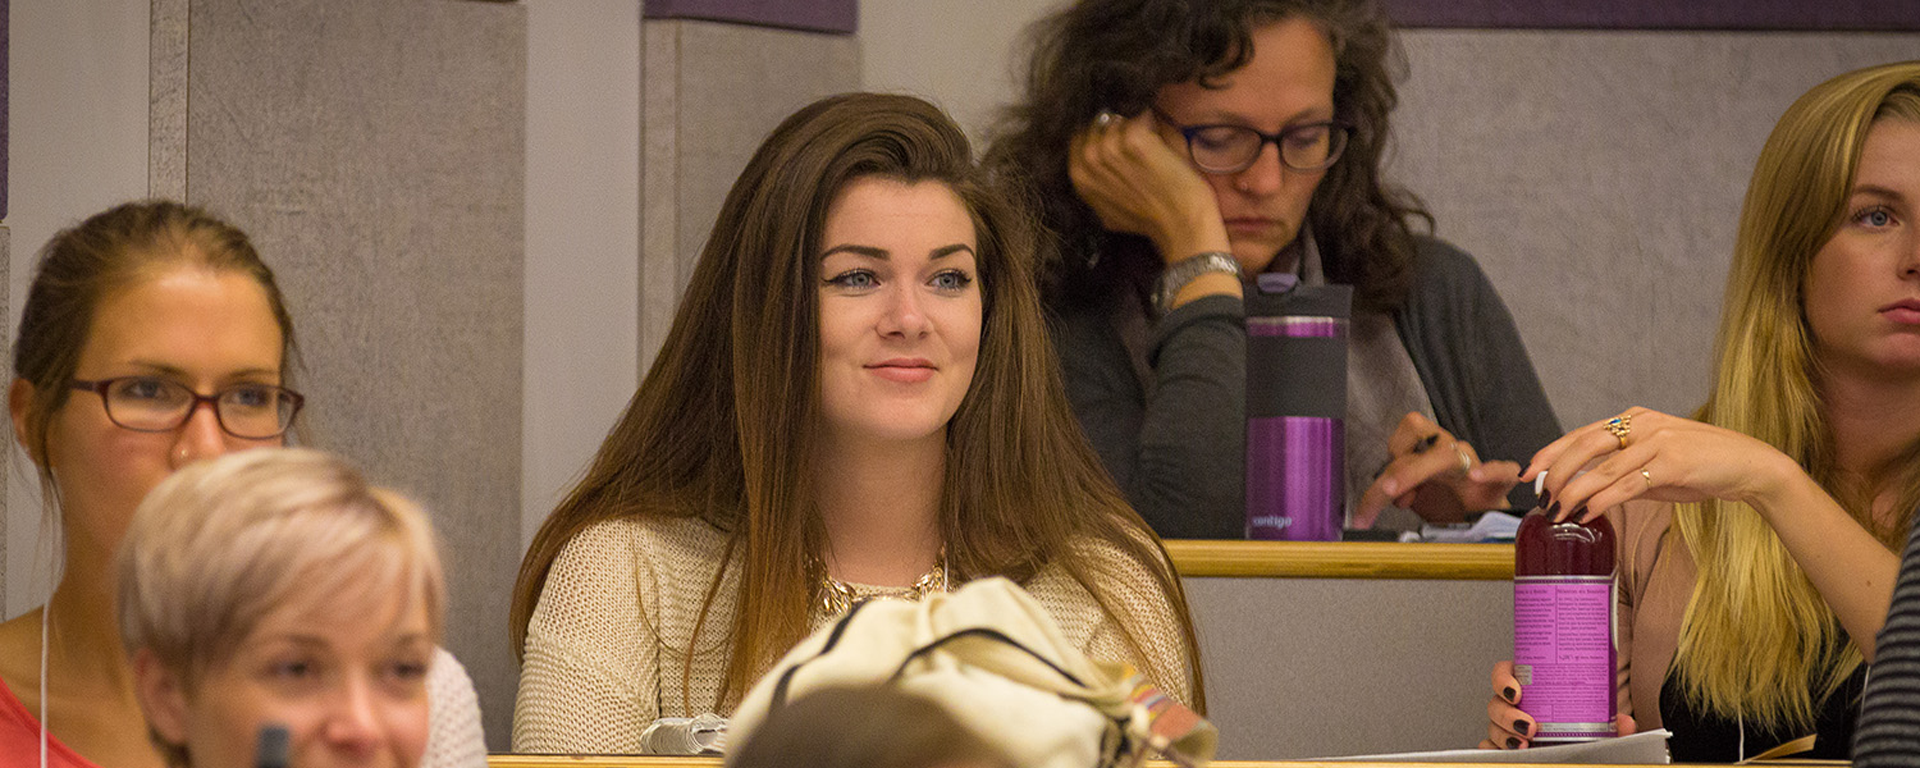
point(990, 634)
point(833, 639)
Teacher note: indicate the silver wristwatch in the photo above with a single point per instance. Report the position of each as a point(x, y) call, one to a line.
point(1181, 272)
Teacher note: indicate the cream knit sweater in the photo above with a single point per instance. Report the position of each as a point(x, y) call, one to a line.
point(606, 646)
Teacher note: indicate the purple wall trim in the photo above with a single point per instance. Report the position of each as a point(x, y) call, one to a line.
point(838, 16)
point(1800, 15)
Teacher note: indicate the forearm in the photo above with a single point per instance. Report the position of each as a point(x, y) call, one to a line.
point(1852, 570)
point(1190, 467)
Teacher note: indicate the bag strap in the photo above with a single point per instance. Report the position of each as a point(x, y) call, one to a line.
point(833, 639)
point(986, 633)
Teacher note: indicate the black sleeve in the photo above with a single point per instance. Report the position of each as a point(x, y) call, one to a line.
point(1179, 450)
point(1888, 733)
point(1470, 357)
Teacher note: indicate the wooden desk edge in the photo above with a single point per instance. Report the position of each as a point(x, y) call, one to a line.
point(1341, 560)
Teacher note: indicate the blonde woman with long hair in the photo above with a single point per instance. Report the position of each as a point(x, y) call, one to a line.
point(1758, 539)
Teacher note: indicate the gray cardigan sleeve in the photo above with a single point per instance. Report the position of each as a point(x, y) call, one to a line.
point(1179, 450)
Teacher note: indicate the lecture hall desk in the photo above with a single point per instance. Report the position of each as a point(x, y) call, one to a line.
point(1347, 648)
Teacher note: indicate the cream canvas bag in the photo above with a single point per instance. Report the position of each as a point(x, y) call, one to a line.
point(993, 657)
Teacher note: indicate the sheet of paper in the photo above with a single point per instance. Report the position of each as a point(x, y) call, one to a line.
point(1649, 748)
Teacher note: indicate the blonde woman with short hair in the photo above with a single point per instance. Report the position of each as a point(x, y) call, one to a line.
point(277, 588)
point(1757, 540)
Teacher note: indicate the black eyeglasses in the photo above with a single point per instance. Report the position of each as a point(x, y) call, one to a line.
point(151, 404)
point(1226, 148)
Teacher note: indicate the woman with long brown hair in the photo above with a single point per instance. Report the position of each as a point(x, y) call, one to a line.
point(857, 399)
point(1184, 152)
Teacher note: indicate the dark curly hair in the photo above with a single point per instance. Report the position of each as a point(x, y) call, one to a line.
point(1117, 54)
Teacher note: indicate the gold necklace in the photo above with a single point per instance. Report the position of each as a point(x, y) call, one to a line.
point(837, 596)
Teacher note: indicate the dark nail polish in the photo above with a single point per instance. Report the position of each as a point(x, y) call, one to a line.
point(1426, 442)
point(1508, 694)
point(1553, 510)
point(1521, 726)
point(1579, 513)
point(1513, 743)
point(1546, 497)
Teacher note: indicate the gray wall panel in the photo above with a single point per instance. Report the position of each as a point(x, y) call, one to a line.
point(167, 99)
point(1303, 668)
point(712, 91)
point(374, 151)
point(1598, 177)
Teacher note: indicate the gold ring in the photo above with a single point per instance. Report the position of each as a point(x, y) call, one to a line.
point(1619, 426)
point(1466, 462)
point(1647, 476)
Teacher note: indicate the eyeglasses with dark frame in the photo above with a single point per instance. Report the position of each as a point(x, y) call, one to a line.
point(249, 411)
point(1228, 148)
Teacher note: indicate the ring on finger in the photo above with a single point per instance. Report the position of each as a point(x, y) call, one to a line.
point(1104, 119)
point(1647, 476)
point(1619, 426)
point(1466, 462)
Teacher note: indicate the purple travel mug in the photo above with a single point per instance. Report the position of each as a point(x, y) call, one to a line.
point(1296, 409)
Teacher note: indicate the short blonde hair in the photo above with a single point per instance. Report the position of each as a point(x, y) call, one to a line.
point(221, 544)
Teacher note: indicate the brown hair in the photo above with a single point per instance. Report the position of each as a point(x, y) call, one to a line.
point(109, 252)
point(720, 428)
point(1099, 55)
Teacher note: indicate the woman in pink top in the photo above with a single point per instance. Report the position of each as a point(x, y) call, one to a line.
point(137, 317)
point(1758, 542)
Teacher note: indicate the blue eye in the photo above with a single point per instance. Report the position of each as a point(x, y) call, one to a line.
point(145, 389)
point(1877, 217)
point(952, 281)
point(855, 279)
point(250, 397)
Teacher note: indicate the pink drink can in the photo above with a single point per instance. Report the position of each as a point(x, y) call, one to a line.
point(1563, 627)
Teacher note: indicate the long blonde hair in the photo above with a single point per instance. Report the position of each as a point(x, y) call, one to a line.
point(1757, 640)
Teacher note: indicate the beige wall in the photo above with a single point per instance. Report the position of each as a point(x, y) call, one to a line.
point(582, 300)
point(68, 157)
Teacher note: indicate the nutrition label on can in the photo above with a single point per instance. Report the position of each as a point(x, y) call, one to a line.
point(1563, 651)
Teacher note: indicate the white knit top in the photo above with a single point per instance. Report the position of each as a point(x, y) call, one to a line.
point(606, 646)
point(454, 738)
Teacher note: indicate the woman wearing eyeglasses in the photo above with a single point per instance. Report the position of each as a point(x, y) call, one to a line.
point(1181, 149)
point(153, 337)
